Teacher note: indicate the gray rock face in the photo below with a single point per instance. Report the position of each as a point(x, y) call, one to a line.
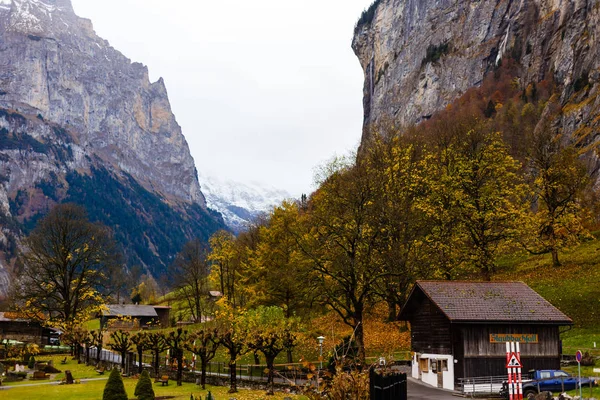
point(80, 122)
point(53, 64)
point(548, 37)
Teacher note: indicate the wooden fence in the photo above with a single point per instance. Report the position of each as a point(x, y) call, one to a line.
point(388, 386)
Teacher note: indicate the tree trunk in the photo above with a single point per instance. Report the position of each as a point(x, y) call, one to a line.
point(203, 375)
point(256, 358)
point(555, 260)
point(179, 367)
point(392, 315)
point(290, 358)
point(270, 361)
point(232, 376)
point(156, 363)
point(140, 355)
point(98, 352)
point(123, 356)
point(360, 340)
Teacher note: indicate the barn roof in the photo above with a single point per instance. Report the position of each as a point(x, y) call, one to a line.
point(485, 302)
point(129, 310)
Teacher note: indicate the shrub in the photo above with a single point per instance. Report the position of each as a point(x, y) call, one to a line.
point(114, 389)
point(143, 389)
point(31, 362)
point(435, 52)
point(367, 16)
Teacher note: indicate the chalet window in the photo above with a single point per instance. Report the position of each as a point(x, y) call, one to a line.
point(424, 364)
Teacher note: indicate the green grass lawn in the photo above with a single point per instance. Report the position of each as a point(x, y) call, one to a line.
point(79, 371)
point(93, 390)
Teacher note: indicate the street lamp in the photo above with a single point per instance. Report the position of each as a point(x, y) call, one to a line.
point(320, 339)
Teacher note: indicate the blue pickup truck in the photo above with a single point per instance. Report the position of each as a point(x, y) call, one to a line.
point(548, 380)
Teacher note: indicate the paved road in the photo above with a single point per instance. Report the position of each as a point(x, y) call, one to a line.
point(420, 391)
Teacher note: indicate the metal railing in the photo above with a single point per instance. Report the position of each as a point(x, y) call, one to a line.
point(481, 385)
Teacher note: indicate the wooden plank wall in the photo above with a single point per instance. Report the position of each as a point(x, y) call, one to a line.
point(476, 339)
point(28, 332)
point(478, 367)
point(482, 358)
point(431, 330)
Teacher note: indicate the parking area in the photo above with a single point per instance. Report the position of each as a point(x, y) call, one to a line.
point(419, 391)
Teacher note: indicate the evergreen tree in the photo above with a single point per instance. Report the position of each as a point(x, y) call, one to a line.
point(143, 389)
point(114, 389)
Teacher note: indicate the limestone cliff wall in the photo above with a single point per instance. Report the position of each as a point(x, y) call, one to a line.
point(53, 64)
point(466, 39)
point(80, 122)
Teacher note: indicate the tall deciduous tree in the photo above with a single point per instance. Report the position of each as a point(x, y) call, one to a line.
point(65, 265)
point(340, 239)
point(278, 266)
point(486, 195)
point(399, 168)
point(191, 271)
point(224, 258)
point(558, 178)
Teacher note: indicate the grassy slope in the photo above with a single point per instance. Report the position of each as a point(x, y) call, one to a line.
point(574, 288)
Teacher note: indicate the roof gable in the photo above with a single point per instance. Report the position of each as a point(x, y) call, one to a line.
point(129, 310)
point(486, 302)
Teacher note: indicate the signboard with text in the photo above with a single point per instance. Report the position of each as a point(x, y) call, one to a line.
point(523, 338)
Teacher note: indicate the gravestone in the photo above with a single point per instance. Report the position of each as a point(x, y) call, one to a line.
point(69, 377)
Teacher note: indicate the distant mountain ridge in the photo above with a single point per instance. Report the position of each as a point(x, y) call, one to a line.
point(239, 203)
point(80, 122)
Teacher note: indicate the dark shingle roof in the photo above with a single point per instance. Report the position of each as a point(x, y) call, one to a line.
point(129, 310)
point(490, 302)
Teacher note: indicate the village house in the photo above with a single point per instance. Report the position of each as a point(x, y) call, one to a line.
point(134, 316)
point(460, 329)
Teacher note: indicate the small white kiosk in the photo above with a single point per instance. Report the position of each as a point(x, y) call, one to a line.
point(434, 369)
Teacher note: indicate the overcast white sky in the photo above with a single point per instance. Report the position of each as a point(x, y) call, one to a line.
point(265, 90)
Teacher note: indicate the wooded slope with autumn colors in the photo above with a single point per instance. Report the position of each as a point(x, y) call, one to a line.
point(484, 188)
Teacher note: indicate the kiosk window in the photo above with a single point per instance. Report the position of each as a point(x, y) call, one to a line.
point(444, 365)
point(424, 364)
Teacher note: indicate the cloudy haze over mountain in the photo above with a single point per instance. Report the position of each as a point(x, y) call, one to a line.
point(265, 90)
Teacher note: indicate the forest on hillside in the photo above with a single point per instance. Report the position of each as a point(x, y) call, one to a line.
point(490, 176)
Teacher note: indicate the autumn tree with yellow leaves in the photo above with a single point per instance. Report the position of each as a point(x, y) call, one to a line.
point(65, 265)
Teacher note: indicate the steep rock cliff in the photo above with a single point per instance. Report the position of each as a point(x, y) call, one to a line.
point(79, 122)
point(53, 64)
point(419, 55)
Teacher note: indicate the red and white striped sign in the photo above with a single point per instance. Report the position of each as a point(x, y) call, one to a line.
point(514, 366)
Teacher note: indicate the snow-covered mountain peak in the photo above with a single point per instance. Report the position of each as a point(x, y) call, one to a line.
point(37, 16)
point(240, 203)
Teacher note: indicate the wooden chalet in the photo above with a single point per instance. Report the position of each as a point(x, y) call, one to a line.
point(133, 316)
point(460, 329)
point(16, 327)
